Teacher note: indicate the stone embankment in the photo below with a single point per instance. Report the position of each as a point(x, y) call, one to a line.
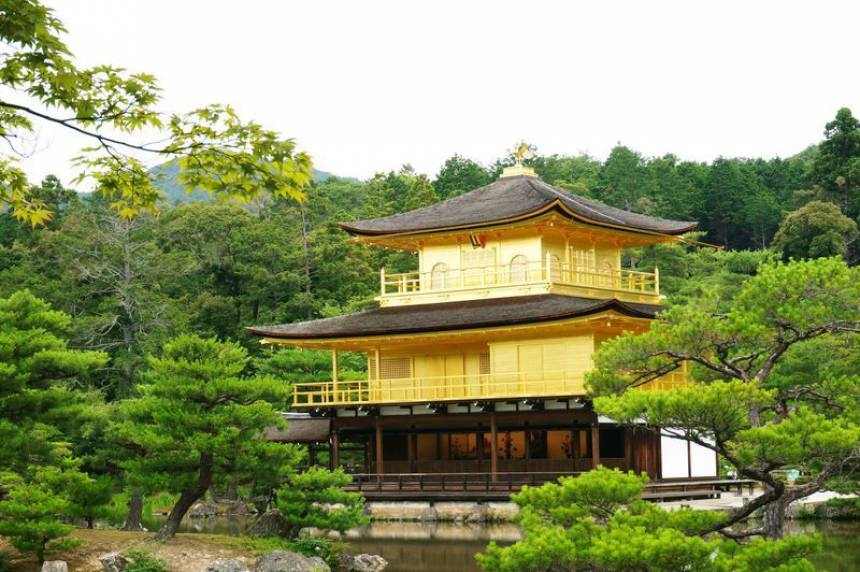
point(479, 512)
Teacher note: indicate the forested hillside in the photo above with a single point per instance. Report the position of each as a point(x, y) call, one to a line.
point(166, 179)
point(213, 267)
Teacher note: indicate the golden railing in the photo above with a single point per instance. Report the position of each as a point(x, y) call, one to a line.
point(457, 388)
point(534, 272)
point(442, 388)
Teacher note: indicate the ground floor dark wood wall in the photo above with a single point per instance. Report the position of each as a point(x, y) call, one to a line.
point(494, 443)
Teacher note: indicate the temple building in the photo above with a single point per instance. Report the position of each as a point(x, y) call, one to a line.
point(476, 361)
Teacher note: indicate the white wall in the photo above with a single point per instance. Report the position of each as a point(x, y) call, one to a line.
point(673, 459)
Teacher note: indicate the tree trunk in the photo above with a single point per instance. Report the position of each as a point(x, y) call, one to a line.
point(90, 522)
point(134, 519)
point(233, 489)
point(773, 518)
point(187, 499)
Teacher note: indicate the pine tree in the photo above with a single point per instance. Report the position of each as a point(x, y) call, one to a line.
point(196, 414)
point(37, 370)
point(836, 168)
point(31, 520)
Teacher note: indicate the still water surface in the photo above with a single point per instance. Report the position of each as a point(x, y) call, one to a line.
point(446, 547)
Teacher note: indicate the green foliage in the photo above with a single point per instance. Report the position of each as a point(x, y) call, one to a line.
point(219, 153)
point(315, 498)
point(459, 175)
point(325, 548)
point(116, 510)
point(836, 167)
point(37, 374)
point(816, 230)
point(197, 416)
point(762, 396)
point(142, 561)
point(31, 520)
point(601, 524)
point(89, 497)
point(598, 493)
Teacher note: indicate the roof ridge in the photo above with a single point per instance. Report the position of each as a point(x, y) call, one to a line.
point(579, 201)
point(511, 198)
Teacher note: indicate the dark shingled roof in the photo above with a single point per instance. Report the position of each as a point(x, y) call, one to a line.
point(300, 430)
point(511, 197)
point(453, 316)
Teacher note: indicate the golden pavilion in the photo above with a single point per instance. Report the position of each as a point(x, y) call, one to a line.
point(476, 361)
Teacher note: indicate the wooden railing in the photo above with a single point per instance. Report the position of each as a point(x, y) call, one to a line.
point(534, 272)
point(443, 388)
point(400, 484)
point(450, 482)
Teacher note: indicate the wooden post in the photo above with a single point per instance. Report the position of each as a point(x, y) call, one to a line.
point(312, 455)
point(334, 374)
point(382, 281)
point(379, 459)
point(334, 451)
point(628, 449)
point(494, 454)
point(411, 448)
point(595, 445)
point(656, 281)
point(689, 460)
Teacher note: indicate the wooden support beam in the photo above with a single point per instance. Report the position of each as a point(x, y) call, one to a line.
point(412, 448)
point(689, 459)
point(379, 459)
point(595, 445)
point(334, 451)
point(494, 453)
point(628, 449)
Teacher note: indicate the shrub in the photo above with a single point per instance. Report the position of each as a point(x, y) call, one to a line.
point(315, 498)
point(142, 561)
point(598, 521)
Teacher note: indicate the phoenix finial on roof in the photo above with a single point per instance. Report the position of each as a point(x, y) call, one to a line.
point(523, 151)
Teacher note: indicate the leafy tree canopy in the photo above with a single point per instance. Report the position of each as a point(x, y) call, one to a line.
point(598, 522)
point(197, 414)
point(748, 402)
point(218, 152)
point(815, 230)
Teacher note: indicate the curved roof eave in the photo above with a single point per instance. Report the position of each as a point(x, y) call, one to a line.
point(557, 204)
point(292, 331)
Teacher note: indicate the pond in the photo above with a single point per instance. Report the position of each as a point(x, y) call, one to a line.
point(426, 547)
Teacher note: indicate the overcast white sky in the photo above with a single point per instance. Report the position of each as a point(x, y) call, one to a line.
point(367, 86)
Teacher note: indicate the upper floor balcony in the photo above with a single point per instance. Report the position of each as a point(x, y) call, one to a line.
point(456, 388)
point(520, 277)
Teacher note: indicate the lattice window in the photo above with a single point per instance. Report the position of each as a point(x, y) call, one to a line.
point(555, 268)
point(396, 368)
point(484, 363)
point(584, 259)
